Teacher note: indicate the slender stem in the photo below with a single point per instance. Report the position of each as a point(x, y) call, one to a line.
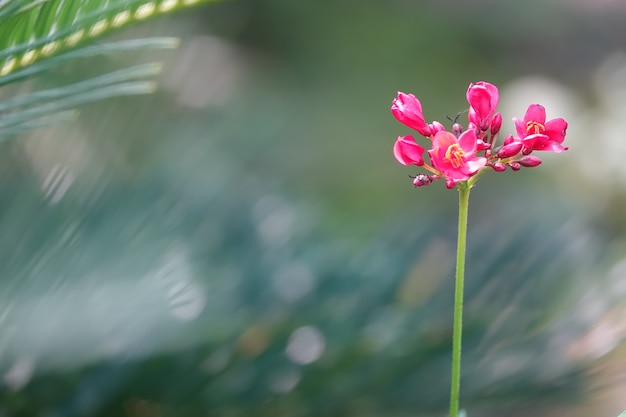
point(464, 192)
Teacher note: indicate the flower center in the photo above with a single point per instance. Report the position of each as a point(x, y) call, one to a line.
point(534, 128)
point(454, 155)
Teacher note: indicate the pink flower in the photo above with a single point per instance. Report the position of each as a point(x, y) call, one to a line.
point(456, 158)
point(407, 152)
point(539, 135)
point(408, 110)
point(483, 99)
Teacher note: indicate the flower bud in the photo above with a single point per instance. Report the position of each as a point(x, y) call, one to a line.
point(496, 123)
point(435, 127)
point(498, 167)
point(529, 161)
point(422, 180)
point(457, 129)
point(509, 150)
point(508, 140)
point(482, 146)
point(450, 184)
point(408, 110)
point(514, 166)
point(483, 100)
point(407, 152)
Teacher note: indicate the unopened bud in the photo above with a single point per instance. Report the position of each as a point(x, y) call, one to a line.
point(457, 129)
point(450, 184)
point(508, 140)
point(509, 150)
point(529, 161)
point(498, 167)
point(514, 166)
point(435, 127)
point(496, 123)
point(482, 145)
point(422, 180)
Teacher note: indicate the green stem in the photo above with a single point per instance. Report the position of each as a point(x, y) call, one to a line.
point(464, 192)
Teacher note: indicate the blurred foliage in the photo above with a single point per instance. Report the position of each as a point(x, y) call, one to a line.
point(242, 243)
point(37, 36)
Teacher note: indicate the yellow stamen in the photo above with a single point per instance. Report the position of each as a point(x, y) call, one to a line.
point(454, 155)
point(534, 128)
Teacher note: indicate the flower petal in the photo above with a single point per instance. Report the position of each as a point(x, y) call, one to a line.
point(551, 146)
point(535, 113)
point(468, 142)
point(555, 129)
point(475, 164)
point(407, 109)
point(407, 152)
point(520, 127)
point(480, 100)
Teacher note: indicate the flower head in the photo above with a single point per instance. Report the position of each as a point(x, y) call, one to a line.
point(539, 135)
point(456, 157)
point(408, 110)
point(483, 100)
point(459, 155)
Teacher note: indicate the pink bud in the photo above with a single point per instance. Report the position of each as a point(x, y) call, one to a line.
point(496, 123)
point(435, 127)
point(407, 152)
point(498, 167)
point(509, 150)
point(408, 110)
point(509, 139)
point(529, 161)
point(483, 100)
point(450, 184)
point(422, 180)
point(457, 129)
point(514, 166)
point(482, 146)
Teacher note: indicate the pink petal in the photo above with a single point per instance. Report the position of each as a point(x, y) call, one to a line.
point(480, 100)
point(520, 127)
point(468, 142)
point(407, 109)
point(441, 142)
point(552, 146)
point(493, 92)
point(555, 129)
point(407, 152)
point(534, 141)
point(535, 113)
point(475, 164)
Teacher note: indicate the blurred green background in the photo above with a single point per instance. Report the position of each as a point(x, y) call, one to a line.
point(243, 243)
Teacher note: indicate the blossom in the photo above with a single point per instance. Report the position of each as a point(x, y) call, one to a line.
point(461, 154)
point(456, 157)
point(539, 135)
point(483, 100)
point(408, 110)
point(407, 152)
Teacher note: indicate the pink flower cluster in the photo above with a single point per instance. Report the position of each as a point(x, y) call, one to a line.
point(458, 155)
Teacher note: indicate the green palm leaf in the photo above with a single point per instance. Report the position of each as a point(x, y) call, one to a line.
point(37, 35)
point(32, 30)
